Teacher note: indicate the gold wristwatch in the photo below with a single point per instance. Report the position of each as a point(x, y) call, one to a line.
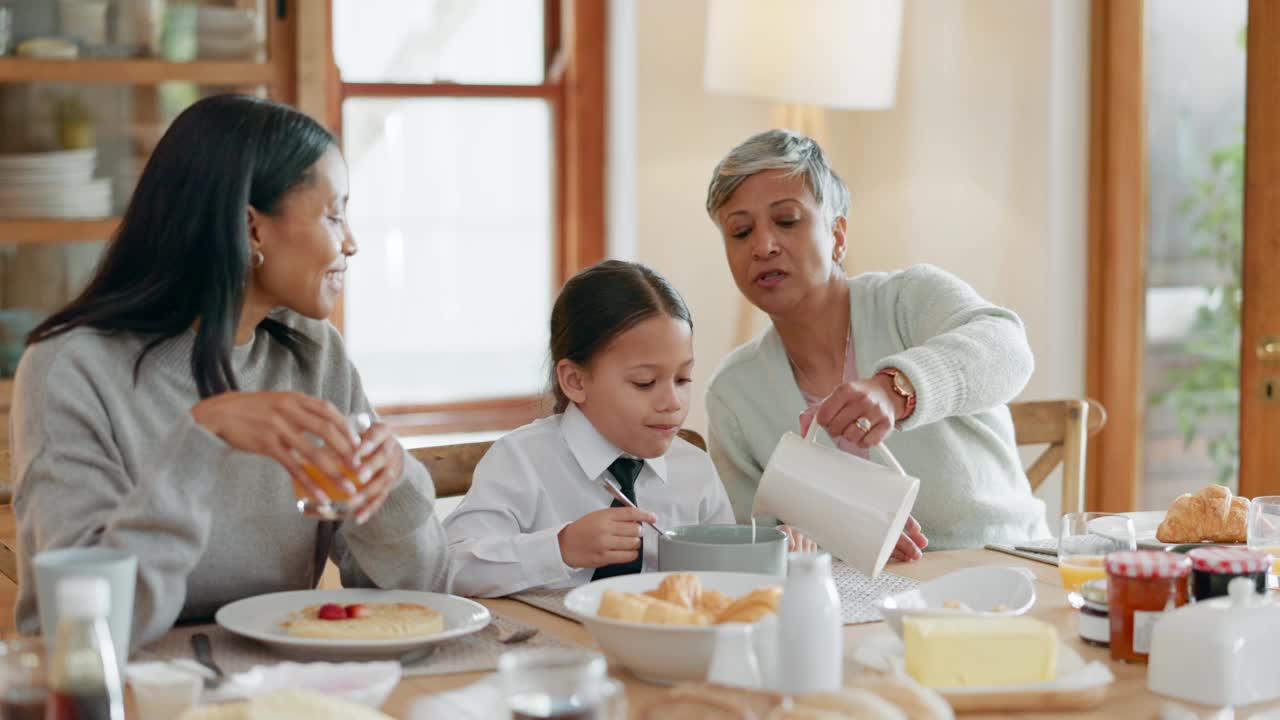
point(903, 388)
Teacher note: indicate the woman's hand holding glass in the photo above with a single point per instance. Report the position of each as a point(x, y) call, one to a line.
point(338, 466)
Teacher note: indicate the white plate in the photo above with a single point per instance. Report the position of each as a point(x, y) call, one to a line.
point(259, 618)
point(981, 589)
point(659, 653)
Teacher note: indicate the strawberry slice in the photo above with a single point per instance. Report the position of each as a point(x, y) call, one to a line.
point(359, 610)
point(332, 611)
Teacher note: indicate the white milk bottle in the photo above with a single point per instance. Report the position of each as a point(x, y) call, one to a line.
point(810, 632)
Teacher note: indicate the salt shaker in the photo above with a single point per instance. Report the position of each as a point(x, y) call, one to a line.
point(733, 660)
point(810, 631)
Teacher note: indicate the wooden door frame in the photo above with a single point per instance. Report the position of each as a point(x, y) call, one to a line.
point(1117, 250)
point(1118, 253)
point(1259, 451)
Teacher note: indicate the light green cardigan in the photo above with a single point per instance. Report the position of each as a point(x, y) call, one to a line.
point(966, 358)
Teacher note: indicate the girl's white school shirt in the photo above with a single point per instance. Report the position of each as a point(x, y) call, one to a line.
point(537, 479)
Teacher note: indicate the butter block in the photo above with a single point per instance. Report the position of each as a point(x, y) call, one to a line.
point(966, 652)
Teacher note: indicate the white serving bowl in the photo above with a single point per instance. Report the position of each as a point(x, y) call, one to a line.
point(980, 588)
point(658, 653)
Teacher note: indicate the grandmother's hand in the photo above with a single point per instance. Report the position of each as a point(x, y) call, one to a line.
point(911, 544)
point(862, 412)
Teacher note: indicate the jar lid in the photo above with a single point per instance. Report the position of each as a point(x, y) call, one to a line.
point(1147, 564)
point(1095, 591)
point(1233, 561)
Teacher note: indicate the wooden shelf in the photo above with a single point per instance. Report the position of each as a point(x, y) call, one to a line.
point(136, 72)
point(55, 230)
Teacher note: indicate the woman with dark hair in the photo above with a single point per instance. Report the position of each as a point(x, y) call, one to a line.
point(536, 514)
point(171, 410)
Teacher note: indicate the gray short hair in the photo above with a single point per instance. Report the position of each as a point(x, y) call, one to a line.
point(787, 150)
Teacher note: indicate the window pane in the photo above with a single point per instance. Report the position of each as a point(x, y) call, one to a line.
point(464, 41)
point(1195, 124)
point(451, 292)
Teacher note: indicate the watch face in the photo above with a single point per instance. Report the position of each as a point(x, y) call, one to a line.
point(903, 385)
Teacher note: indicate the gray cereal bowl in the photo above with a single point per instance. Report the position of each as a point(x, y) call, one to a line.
point(727, 548)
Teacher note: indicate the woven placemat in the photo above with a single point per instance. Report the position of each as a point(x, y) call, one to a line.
point(470, 653)
point(859, 594)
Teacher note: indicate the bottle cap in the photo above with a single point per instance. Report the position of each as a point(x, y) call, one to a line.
point(83, 597)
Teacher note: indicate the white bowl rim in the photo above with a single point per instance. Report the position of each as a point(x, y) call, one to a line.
point(668, 537)
point(890, 602)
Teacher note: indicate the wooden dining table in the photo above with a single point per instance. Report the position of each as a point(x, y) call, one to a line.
point(1127, 697)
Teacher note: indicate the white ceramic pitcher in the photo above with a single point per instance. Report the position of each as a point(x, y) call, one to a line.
point(855, 509)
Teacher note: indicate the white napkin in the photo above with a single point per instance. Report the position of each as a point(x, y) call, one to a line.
point(482, 700)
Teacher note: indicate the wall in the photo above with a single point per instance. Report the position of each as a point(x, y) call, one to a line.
point(979, 168)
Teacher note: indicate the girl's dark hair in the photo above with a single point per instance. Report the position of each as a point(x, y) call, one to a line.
point(181, 254)
point(599, 304)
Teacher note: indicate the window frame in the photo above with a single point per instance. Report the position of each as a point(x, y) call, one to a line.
point(574, 85)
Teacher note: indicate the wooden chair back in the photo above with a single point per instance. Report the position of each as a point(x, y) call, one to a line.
point(451, 466)
point(1065, 426)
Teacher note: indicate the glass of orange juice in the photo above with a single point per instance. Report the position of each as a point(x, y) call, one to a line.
point(1084, 542)
point(341, 502)
point(1264, 531)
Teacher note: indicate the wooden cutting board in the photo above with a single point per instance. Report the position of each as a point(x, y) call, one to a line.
point(1041, 701)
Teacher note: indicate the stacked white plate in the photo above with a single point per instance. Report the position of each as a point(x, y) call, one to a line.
point(227, 33)
point(53, 185)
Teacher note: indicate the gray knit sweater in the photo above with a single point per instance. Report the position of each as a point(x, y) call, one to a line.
point(99, 459)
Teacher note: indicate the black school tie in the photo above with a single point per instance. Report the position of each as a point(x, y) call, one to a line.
point(625, 470)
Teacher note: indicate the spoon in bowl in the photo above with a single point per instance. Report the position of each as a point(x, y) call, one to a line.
point(617, 495)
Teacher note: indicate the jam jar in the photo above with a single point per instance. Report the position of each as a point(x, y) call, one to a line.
point(1212, 568)
point(1141, 586)
point(1093, 623)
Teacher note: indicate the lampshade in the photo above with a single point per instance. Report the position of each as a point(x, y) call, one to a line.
point(832, 53)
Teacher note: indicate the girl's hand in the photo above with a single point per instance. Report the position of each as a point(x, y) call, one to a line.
point(910, 544)
point(862, 412)
point(603, 537)
point(276, 424)
point(380, 461)
point(798, 542)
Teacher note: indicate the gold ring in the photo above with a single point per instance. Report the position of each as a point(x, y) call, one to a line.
point(863, 424)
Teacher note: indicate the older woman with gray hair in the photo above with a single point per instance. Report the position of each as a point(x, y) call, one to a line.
point(914, 359)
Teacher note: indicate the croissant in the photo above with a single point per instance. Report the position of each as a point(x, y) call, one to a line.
point(752, 606)
point(705, 701)
point(714, 602)
point(844, 703)
point(1210, 514)
point(623, 606)
point(684, 589)
point(661, 612)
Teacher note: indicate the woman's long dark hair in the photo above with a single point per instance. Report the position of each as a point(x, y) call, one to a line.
point(181, 254)
point(599, 304)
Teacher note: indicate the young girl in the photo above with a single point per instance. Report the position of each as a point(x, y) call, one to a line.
point(537, 514)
